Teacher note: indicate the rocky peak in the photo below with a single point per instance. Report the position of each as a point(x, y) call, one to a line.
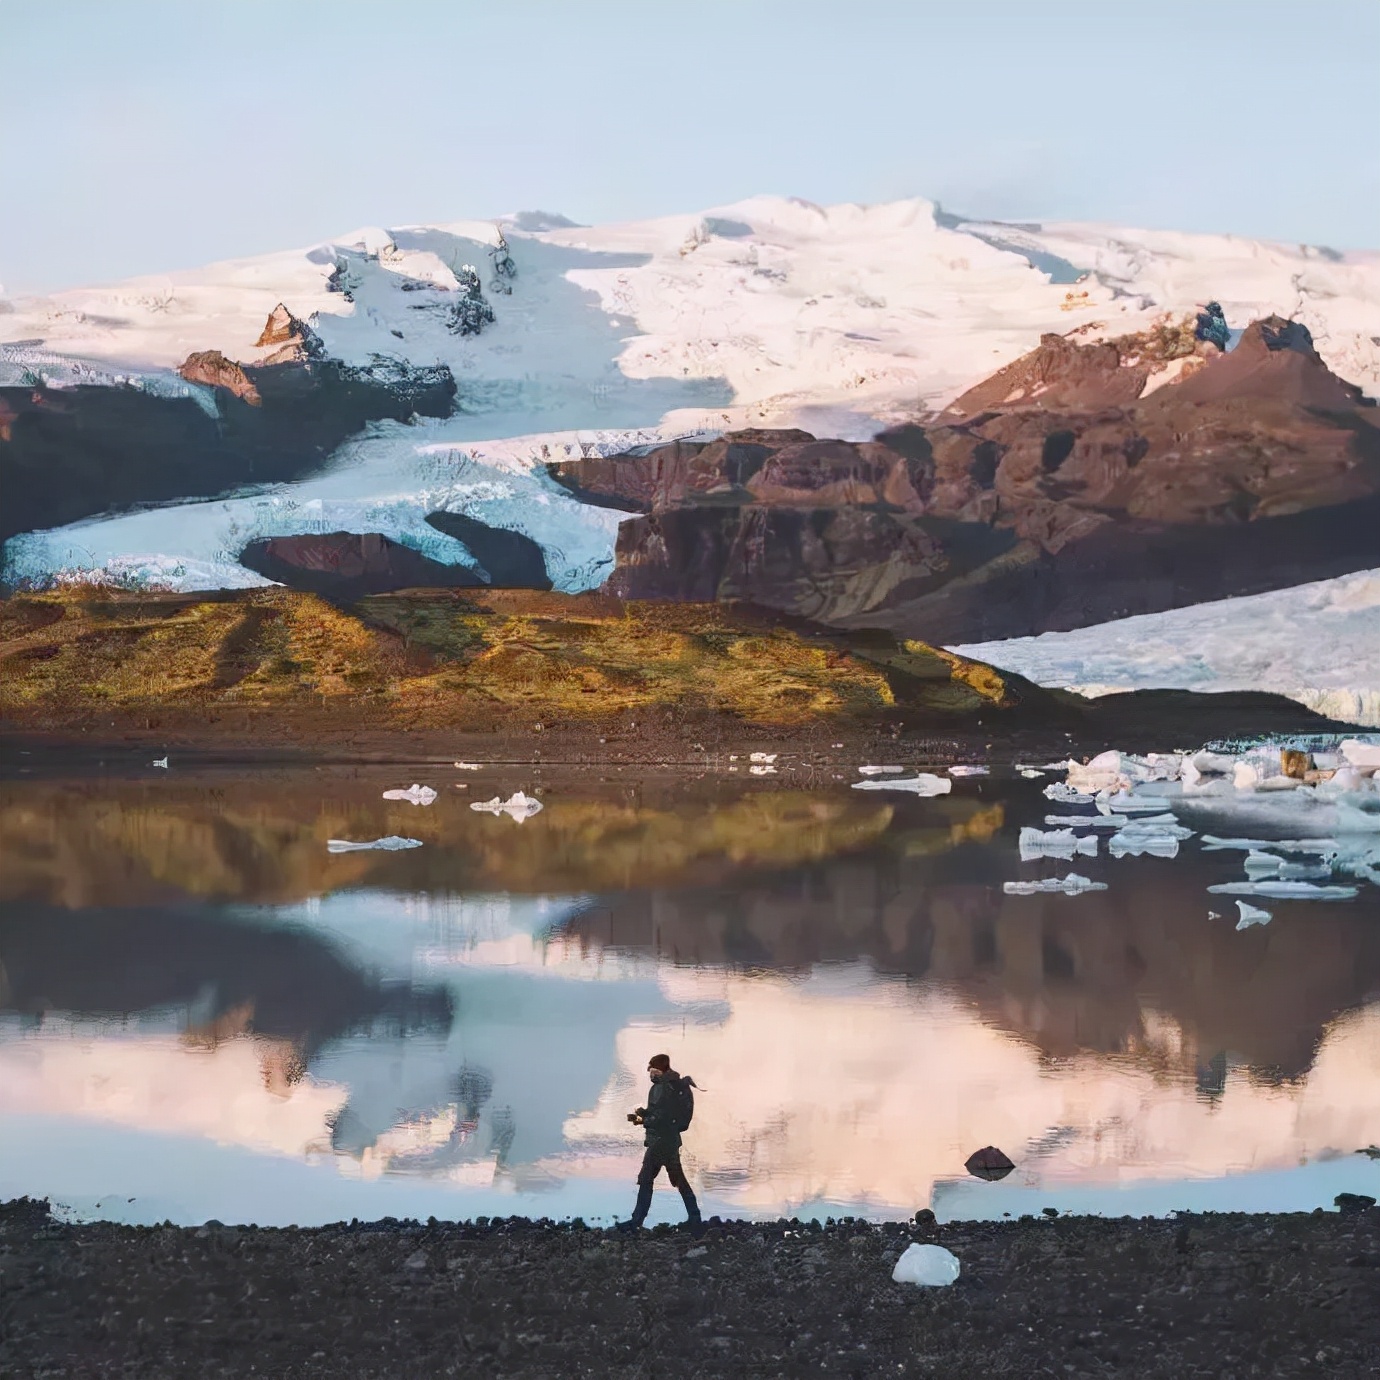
point(216, 371)
point(296, 340)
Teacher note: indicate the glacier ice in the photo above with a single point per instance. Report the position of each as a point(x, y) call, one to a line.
point(1286, 891)
point(415, 794)
point(1072, 885)
point(519, 806)
point(926, 1265)
point(1251, 915)
point(390, 844)
point(1059, 843)
point(923, 784)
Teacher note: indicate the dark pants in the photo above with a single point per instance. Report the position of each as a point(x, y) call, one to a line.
point(653, 1162)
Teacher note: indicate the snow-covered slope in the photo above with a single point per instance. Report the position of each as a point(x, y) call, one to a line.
point(768, 312)
point(1317, 643)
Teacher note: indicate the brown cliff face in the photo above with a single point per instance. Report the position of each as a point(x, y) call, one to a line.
point(1055, 494)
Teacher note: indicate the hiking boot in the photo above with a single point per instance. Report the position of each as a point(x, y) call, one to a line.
point(695, 1226)
point(629, 1226)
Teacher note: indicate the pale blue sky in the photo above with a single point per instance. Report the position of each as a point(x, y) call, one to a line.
point(139, 136)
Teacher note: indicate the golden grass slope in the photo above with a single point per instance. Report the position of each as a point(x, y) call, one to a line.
point(432, 658)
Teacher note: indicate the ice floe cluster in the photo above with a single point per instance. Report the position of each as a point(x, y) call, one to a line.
point(1306, 820)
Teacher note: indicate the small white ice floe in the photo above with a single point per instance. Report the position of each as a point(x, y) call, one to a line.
point(924, 784)
point(1059, 843)
point(760, 770)
point(418, 795)
point(159, 762)
point(1066, 795)
point(1251, 915)
point(766, 757)
point(468, 766)
point(1072, 885)
point(1212, 844)
point(1123, 802)
point(929, 1266)
point(1287, 891)
point(1030, 772)
point(881, 771)
point(1088, 821)
point(1264, 865)
point(518, 806)
point(391, 844)
point(1132, 843)
point(1026, 769)
point(968, 771)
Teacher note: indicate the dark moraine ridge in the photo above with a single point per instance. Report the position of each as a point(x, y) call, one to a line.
point(1195, 1296)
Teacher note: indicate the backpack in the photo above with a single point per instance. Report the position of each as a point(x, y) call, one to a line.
point(683, 1103)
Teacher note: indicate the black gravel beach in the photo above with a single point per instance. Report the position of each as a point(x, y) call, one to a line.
point(1195, 1295)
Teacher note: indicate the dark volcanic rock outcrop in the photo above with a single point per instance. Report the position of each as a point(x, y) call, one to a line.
point(346, 566)
point(72, 453)
point(510, 560)
point(1056, 494)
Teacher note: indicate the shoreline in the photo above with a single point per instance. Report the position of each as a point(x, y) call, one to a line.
point(1196, 1295)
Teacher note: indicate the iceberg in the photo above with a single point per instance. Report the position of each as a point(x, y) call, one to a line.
point(418, 795)
point(924, 784)
point(1131, 844)
point(1287, 891)
point(1064, 794)
point(1060, 843)
point(518, 806)
point(391, 844)
point(1072, 885)
point(928, 1266)
point(1251, 915)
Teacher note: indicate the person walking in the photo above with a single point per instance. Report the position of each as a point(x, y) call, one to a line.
point(670, 1107)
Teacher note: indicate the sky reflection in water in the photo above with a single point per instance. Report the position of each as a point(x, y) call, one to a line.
point(205, 1014)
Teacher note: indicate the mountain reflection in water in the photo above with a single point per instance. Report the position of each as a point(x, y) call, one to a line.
point(198, 1002)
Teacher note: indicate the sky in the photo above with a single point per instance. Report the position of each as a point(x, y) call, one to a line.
point(141, 136)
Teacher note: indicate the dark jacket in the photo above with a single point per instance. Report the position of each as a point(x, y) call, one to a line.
point(659, 1115)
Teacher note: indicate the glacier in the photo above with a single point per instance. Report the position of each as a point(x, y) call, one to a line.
point(1317, 643)
point(767, 312)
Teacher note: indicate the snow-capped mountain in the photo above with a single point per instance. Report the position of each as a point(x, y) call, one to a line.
point(563, 342)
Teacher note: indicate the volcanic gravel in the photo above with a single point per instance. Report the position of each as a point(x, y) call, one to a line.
point(1197, 1295)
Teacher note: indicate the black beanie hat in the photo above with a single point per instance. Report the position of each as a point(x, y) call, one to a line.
point(660, 1061)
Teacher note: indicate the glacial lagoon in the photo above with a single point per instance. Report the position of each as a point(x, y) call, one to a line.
point(205, 1013)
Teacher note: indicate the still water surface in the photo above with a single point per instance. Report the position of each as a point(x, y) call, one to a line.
point(204, 1013)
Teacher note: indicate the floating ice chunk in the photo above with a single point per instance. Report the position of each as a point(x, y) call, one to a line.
point(1159, 826)
point(1287, 891)
point(1131, 844)
point(1072, 885)
point(1061, 843)
point(1212, 764)
point(418, 795)
point(968, 771)
point(1030, 773)
point(924, 784)
point(1279, 783)
point(1360, 754)
point(391, 844)
point(159, 762)
point(1251, 915)
point(881, 771)
point(1103, 773)
point(1260, 865)
point(760, 770)
point(1156, 766)
point(1088, 821)
point(930, 1266)
point(467, 766)
point(518, 806)
point(1127, 803)
point(1212, 844)
point(1026, 769)
point(1065, 794)
point(767, 757)
point(1245, 776)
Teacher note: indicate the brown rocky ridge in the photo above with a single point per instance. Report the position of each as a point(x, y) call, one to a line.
point(1056, 494)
